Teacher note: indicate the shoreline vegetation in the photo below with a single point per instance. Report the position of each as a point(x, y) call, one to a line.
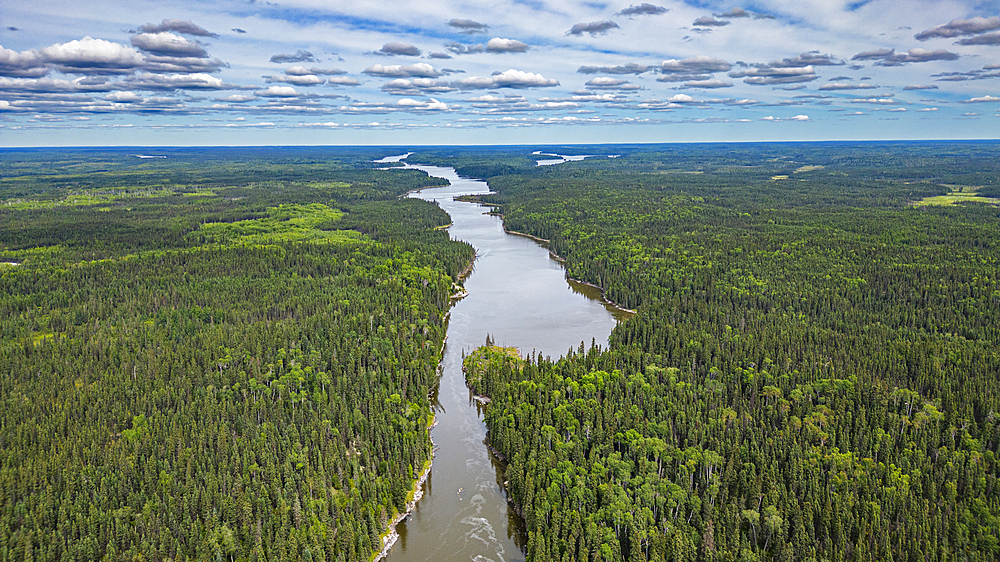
point(561, 259)
point(390, 536)
point(475, 365)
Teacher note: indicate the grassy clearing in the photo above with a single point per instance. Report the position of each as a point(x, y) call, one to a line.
point(283, 223)
point(958, 194)
point(808, 169)
point(100, 196)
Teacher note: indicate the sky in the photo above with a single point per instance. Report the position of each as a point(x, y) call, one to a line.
point(322, 72)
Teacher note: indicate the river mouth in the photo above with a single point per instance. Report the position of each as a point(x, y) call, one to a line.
point(518, 295)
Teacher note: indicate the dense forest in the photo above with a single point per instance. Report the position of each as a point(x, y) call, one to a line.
point(218, 355)
point(811, 374)
point(226, 354)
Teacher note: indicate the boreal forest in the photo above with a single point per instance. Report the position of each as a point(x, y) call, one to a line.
point(227, 354)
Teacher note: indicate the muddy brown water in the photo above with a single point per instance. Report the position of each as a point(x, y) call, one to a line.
point(519, 295)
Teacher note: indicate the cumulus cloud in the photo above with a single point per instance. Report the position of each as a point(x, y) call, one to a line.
point(342, 81)
point(123, 97)
point(606, 83)
point(713, 83)
point(303, 71)
point(959, 27)
point(675, 77)
point(709, 21)
point(468, 27)
point(698, 64)
point(846, 86)
point(395, 48)
point(984, 39)
point(806, 59)
point(507, 79)
point(299, 56)
point(644, 9)
point(493, 99)
point(196, 81)
point(416, 86)
point(419, 70)
point(984, 99)
point(238, 30)
point(167, 44)
point(920, 87)
point(874, 54)
point(766, 75)
point(277, 92)
point(237, 98)
point(876, 101)
point(736, 12)
point(889, 57)
point(463, 49)
point(161, 64)
point(25, 64)
point(628, 68)
point(443, 56)
point(51, 85)
point(297, 79)
point(405, 104)
point(180, 26)
point(495, 45)
point(432, 105)
point(986, 73)
point(92, 56)
point(594, 28)
point(500, 45)
point(774, 119)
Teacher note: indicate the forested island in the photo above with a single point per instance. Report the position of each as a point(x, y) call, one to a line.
point(228, 353)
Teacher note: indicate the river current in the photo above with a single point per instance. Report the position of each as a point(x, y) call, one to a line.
point(519, 295)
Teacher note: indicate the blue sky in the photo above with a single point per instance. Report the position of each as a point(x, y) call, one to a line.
point(169, 72)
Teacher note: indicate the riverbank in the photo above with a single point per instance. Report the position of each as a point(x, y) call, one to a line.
point(604, 299)
point(390, 537)
point(561, 259)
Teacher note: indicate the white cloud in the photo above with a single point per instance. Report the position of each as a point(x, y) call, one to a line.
point(416, 86)
point(698, 64)
point(606, 83)
point(342, 81)
point(180, 26)
point(984, 99)
point(167, 44)
point(959, 27)
point(713, 83)
point(277, 92)
point(500, 45)
point(420, 69)
point(123, 97)
point(394, 48)
point(299, 70)
point(769, 75)
point(95, 56)
point(594, 28)
point(508, 79)
point(26, 64)
point(298, 80)
point(844, 86)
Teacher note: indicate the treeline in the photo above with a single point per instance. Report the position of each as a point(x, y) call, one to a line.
point(241, 375)
point(811, 374)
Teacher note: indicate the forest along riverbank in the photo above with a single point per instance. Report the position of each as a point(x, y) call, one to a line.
point(519, 296)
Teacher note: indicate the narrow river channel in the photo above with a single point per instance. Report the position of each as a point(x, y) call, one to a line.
point(519, 295)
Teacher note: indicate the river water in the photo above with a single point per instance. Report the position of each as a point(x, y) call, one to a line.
point(519, 295)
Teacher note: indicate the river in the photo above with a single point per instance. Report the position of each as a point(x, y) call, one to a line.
point(519, 295)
